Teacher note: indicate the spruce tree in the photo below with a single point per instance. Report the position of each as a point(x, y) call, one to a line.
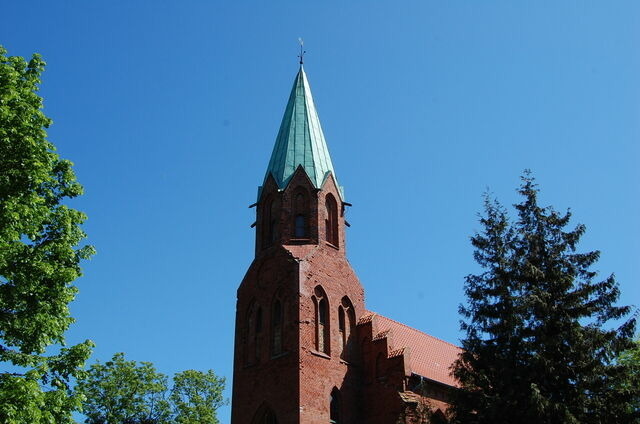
point(542, 334)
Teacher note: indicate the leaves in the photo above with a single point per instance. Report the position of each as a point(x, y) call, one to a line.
point(121, 391)
point(39, 255)
point(196, 396)
point(539, 346)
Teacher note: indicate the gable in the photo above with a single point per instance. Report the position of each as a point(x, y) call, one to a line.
point(428, 356)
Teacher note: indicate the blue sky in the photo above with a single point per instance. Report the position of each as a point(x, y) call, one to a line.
point(169, 111)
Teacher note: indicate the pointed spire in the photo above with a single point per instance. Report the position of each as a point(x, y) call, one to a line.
point(300, 141)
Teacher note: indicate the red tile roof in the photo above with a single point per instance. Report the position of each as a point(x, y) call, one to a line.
point(428, 356)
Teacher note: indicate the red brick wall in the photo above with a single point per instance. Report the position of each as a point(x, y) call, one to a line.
point(271, 380)
point(297, 384)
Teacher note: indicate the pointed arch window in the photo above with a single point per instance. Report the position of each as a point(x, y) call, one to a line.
point(269, 418)
point(264, 415)
point(346, 324)
point(251, 351)
point(331, 221)
point(266, 223)
point(321, 320)
point(341, 329)
point(379, 366)
point(301, 226)
point(247, 351)
point(273, 223)
point(334, 406)
point(276, 327)
point(256, 340)
point(300, 212)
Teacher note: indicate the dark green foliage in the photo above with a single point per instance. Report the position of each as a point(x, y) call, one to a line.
point(121, 391)
point(39, 258)
point(540, 343)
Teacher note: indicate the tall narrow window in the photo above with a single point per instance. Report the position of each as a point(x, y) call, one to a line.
point(300, 211)
point(253, 329)
point(342, 330)
point(322, 320)
point(273, 224)
point(334, 406)
point(346, 322)
point(276, 328)
point(300, 231)
point(322, 326)
point(248, 339)
point(256, 339)
point(379, 366)
point(268, 222)
point(331, 222)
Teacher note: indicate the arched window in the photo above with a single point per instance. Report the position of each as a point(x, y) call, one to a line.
point(301, 227)
point(252, 335)
point(248, 349)
point(379, 366)
point(258, 331)
point(273, 223)
point(300, 211)
point(322, 320)
point(331, 222)
point(334, 406)
point(346, 324)
point(269, 418)
point(342, 330)
point(276, 328)
point(264, 415)
point(266, 223)
point(323, 326)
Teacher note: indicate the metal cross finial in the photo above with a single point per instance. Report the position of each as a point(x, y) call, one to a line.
point(302, 52)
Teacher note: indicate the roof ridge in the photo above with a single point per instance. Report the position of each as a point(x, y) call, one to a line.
point(415, 329)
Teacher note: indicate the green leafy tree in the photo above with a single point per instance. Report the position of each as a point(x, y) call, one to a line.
point(196, 396)
point(39, 257)
point(630, 382)
point(121, 391)
point(540, 346)
point(126, 392)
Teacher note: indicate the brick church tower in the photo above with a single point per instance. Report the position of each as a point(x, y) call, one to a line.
point(306, 350)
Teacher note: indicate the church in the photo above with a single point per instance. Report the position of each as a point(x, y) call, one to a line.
point(307, 350)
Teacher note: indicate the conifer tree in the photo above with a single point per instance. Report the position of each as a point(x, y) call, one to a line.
point(542, 334)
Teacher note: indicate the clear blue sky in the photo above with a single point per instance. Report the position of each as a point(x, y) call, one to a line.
point(170, 110)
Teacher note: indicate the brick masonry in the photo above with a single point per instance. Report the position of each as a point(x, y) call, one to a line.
point(293, 382)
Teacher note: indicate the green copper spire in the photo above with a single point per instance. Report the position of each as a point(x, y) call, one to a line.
point(300, 140)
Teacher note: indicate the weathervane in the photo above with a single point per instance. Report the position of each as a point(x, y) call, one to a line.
point(302, 52)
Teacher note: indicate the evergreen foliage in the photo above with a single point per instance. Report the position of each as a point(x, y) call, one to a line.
point(39, 258)
point(126, 392)
point(540, 343)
